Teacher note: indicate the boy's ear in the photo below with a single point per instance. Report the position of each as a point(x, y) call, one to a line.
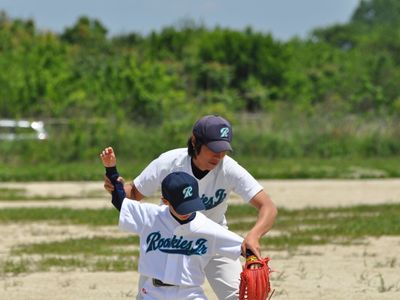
point(165, 201)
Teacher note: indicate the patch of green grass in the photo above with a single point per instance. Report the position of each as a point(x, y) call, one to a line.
point(316, 226)
point(349, 221)
point(92, 254)
point(17, 194)
point(321, 168)
point(18, 265)
point(46, 264)
point(99, 246)
point(94, 217)
point(10, 193)
point(348, 167)
point(71, 171)
point(116, 265)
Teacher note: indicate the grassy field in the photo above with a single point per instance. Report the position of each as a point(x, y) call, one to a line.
point(294, 228)
point(260, 167)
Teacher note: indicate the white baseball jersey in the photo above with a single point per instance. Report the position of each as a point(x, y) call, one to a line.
point(214, 188)
point(172, 252)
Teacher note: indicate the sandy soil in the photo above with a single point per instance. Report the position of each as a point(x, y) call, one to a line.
point(370, 270)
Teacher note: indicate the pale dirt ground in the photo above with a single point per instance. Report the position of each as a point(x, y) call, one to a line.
point(363, 271)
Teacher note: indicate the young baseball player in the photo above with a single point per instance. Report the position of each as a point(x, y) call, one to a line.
point(218, 175)
point(176, 240)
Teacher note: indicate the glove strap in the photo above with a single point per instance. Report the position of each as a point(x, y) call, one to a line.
point(250, 257)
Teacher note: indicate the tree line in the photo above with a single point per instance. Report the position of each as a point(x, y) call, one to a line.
point(166, 79)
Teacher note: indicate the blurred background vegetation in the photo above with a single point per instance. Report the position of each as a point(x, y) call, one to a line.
point(327, 106)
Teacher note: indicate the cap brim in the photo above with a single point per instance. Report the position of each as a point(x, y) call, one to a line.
point(219, 146)
point(190, 206)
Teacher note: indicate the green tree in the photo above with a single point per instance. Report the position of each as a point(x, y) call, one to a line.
point(374, 13)
point(85, 31)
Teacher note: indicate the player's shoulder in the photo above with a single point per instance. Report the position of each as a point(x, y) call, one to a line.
point(229, 160)
point(228, 165)
point(174, 158)
point(150, 208)
point(174, 153)
point(205, 222)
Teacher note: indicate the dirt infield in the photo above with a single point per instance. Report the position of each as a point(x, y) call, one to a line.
point(367, 270)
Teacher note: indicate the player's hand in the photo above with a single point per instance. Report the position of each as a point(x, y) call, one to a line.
point(108, 158)
point(109, 186)
point(252, 243)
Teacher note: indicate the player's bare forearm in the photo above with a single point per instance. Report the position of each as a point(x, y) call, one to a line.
point(134, 192)
point(267, 212)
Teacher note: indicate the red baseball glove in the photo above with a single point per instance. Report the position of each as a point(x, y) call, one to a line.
point(254, 279)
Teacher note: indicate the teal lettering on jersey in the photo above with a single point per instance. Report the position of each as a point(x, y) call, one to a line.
point(213, 201)
point(175, 245)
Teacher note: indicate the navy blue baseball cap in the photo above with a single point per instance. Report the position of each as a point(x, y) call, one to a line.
point(182, 191)
point(215, 132)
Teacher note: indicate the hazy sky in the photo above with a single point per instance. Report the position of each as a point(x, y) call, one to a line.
point(283, 18)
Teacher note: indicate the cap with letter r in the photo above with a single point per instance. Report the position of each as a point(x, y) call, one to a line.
point(215, 132)
point(182, 192)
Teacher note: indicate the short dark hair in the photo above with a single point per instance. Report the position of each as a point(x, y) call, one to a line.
point(193, 151)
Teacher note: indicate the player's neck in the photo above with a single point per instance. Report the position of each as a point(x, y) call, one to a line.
point(181, 220)
point(197, 172)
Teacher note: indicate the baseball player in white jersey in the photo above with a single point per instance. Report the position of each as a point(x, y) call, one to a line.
point(218, 175)
point(176, 240)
